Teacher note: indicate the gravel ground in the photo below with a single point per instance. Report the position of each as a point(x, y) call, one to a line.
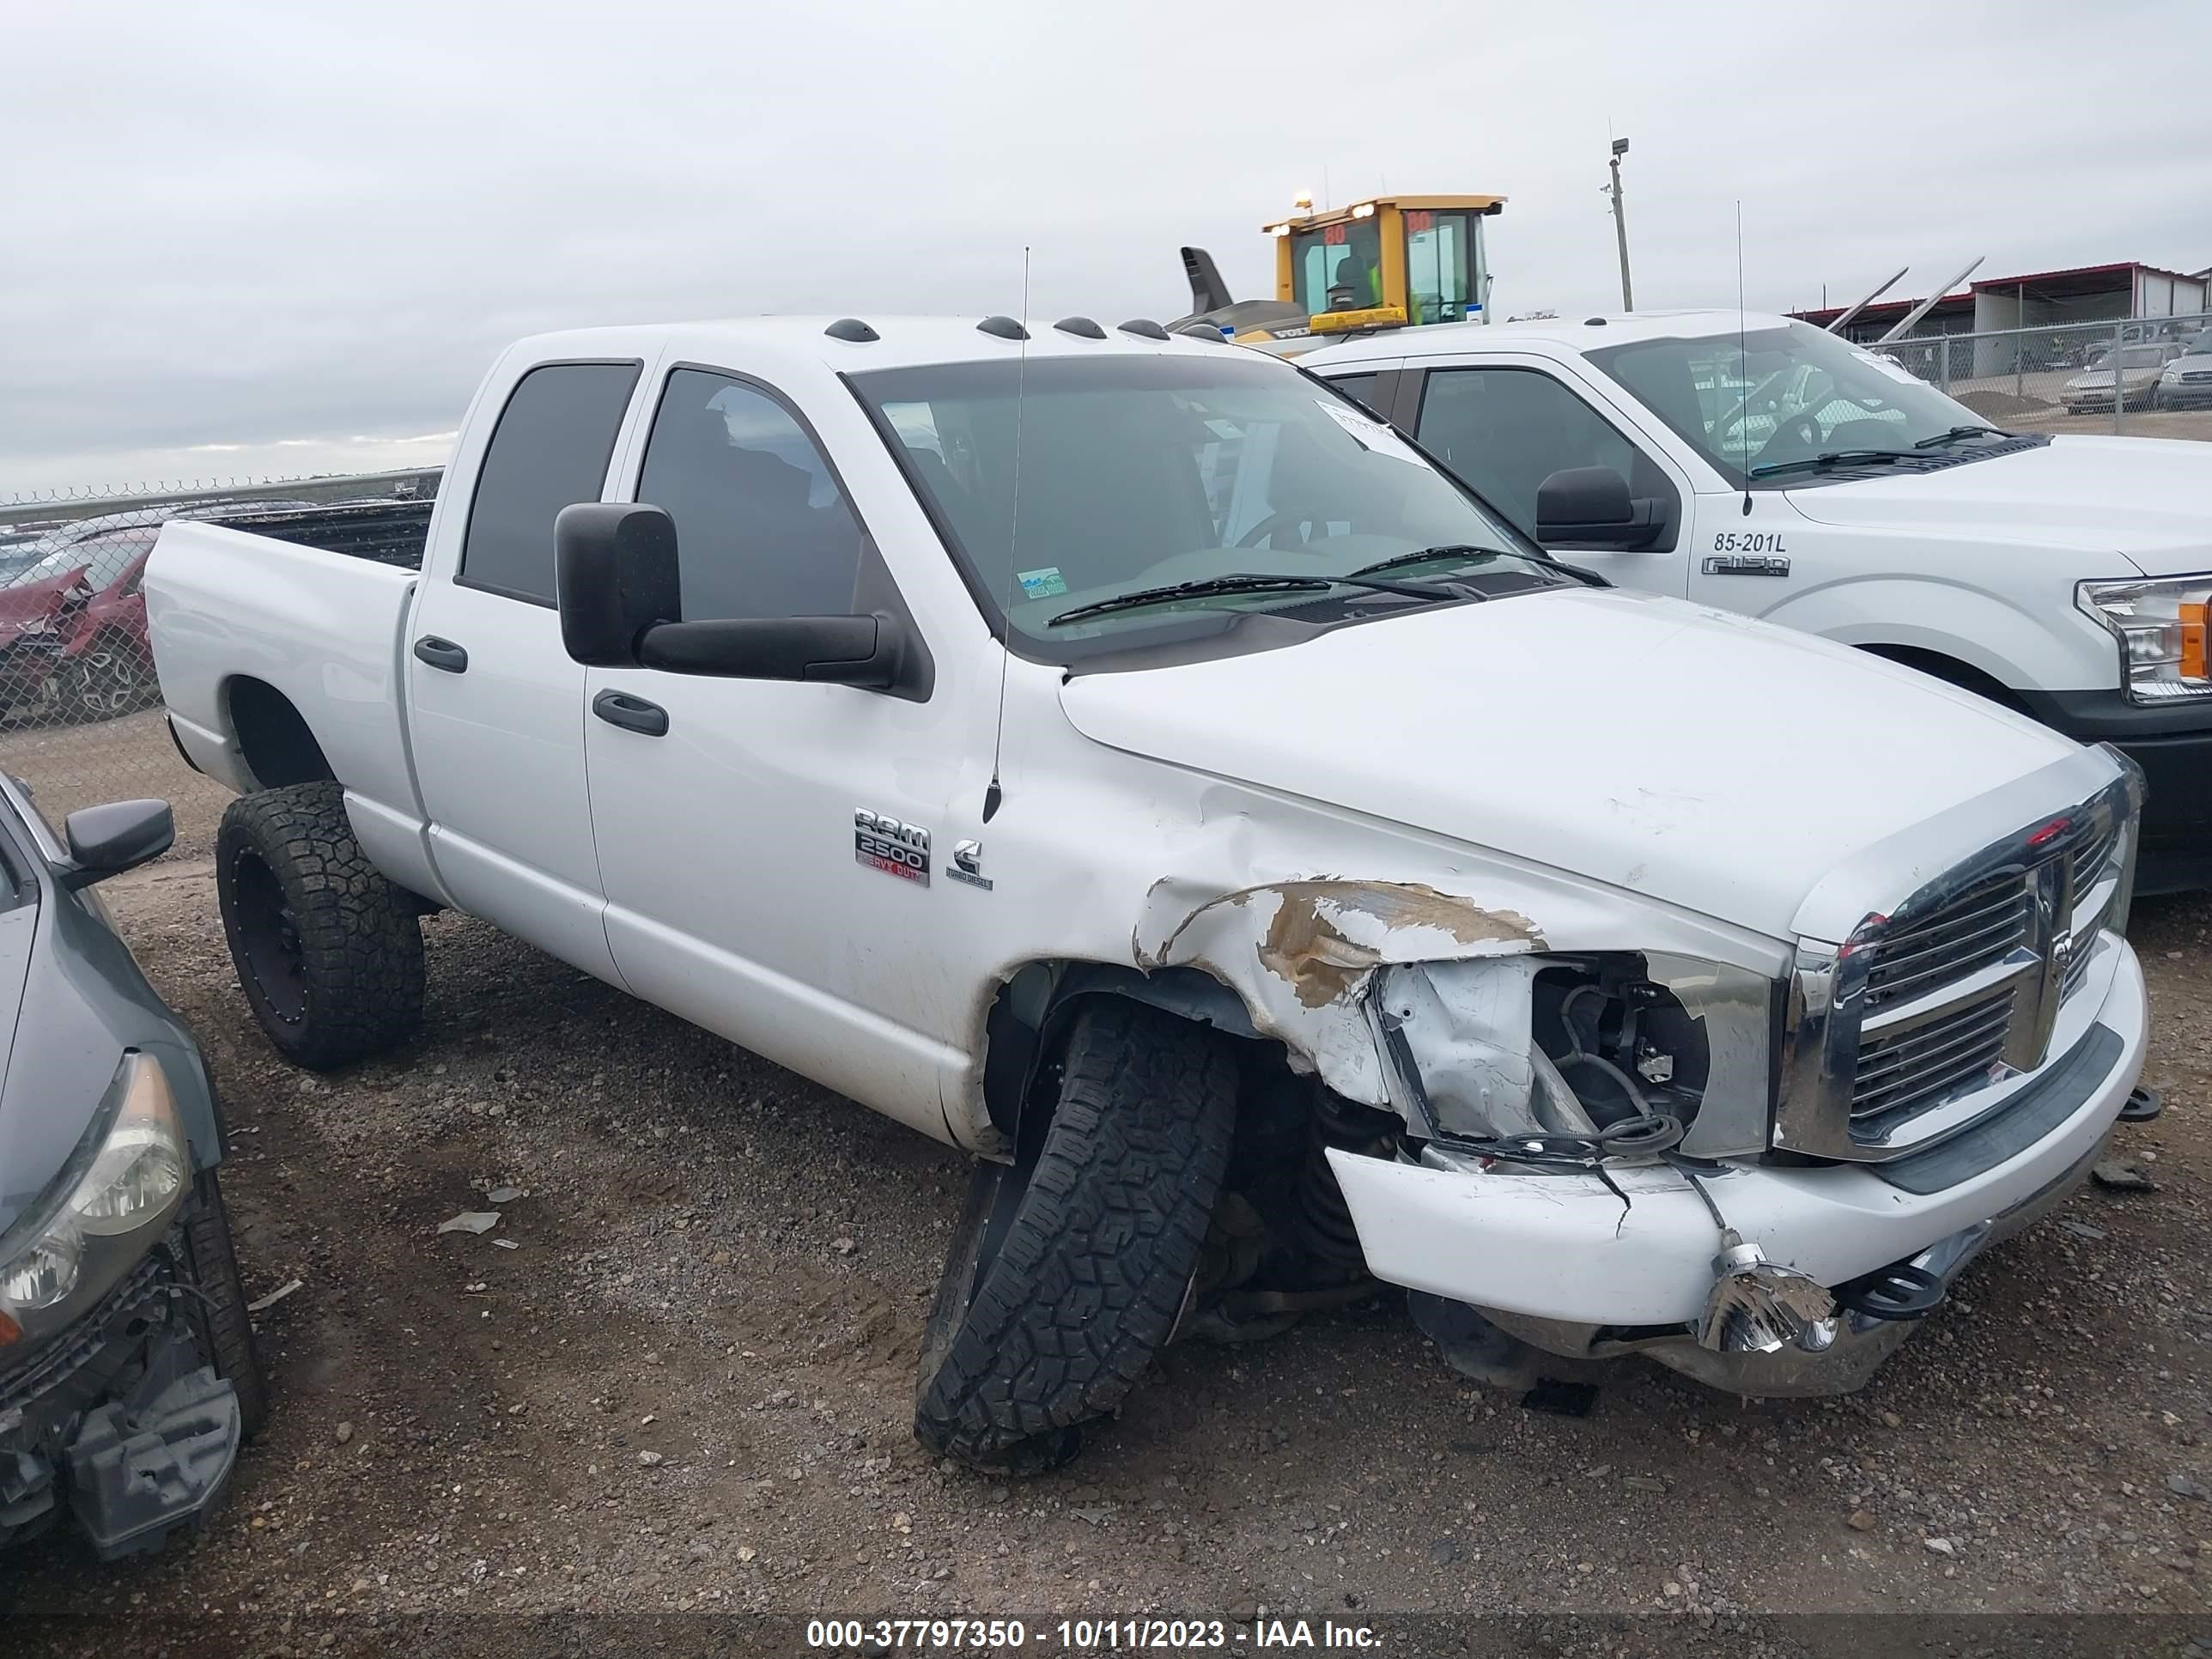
point(678, 1376)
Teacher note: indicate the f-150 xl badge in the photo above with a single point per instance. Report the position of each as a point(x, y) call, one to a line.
point(894, 848)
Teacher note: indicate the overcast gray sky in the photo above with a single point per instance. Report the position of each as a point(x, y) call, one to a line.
point(248, 239)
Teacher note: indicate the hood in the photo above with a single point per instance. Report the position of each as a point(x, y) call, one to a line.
point(39, 599)
point(1709, 761)
point(2149, 500)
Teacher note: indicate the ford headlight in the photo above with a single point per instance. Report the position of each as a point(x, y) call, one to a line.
point(2160, 628)
point(125, 1183)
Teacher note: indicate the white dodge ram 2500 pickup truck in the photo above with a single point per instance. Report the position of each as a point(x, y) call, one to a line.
point(1763, 465)
point(1120, 756)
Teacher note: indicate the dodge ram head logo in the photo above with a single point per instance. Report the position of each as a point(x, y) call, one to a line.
point(885, 843)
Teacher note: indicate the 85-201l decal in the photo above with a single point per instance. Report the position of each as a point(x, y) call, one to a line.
point(1748, 553)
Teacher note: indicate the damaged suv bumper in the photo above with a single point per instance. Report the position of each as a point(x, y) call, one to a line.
point(1575, 1267)
point(120, 1422)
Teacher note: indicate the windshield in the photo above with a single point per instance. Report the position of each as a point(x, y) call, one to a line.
point(1781, 395)
point(1338, 267)
point(1143, 472)
point(54, 564)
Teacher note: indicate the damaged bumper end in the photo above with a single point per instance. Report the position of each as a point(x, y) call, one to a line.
point(1818, 1275)
point(122, 1423)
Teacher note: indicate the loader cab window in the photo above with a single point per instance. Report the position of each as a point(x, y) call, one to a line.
point(1439, 264)
point(1338, 267)
point(763, 528)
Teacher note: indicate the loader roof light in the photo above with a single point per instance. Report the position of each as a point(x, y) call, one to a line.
point(1363, 210)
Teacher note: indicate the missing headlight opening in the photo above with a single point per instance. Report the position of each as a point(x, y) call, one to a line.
point(1533, 1051)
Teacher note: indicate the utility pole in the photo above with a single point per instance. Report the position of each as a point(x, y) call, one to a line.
point(1621, 226)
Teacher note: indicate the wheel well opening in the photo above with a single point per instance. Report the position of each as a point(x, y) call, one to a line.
point(1950, 671)
point(1280, 1242)
point(274, 737)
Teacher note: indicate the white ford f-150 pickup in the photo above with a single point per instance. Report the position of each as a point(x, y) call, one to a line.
point(1122, 757)
point(1763, 465)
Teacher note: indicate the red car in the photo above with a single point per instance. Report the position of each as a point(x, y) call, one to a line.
point(73, 639)
point(73, 630)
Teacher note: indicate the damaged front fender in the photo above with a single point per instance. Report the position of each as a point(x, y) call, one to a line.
point(1301, 953)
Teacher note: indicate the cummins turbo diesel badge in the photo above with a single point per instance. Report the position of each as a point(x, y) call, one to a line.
point(886, 844)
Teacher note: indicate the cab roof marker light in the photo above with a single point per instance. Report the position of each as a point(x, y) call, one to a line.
point(1082, 327)
point(1002, 328)
point(1145, 329)
point(853, 331)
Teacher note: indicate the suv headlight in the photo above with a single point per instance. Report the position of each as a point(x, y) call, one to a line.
point(2160, 628)
point(123, 1186)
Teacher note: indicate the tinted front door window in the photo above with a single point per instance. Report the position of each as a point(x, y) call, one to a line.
point(762, 527)
point(1505, 430)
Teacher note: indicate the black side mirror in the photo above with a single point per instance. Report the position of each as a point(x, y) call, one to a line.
point(614, 576)
point(119, 835)
point(1590, 506)
point(871, 651)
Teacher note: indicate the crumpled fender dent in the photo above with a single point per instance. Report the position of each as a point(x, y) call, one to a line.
point(1301, 953)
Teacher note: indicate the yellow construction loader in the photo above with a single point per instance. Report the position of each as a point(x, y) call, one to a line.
point(1383, 263)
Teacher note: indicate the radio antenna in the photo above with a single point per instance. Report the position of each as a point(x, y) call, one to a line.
point(1743, 355)
point(993, 794)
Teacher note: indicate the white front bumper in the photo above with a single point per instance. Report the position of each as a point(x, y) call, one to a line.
point(1563, 1248)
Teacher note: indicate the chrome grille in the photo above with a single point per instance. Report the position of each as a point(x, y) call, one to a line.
point(1934, 1009)
point(2091, 857)
point(1979, 928)
point(1926, 1064)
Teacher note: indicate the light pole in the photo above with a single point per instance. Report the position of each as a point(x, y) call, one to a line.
point(1621, 226)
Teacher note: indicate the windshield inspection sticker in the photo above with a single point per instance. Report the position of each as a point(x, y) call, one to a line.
point(1366, 431)
point(886, 844)
point(1042, 584)
point(1895, 370)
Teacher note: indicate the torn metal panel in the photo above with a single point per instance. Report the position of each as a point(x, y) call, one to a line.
point(1300, 954)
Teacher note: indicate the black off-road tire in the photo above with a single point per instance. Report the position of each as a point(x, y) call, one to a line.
point(329, 952)
point(225, 1326)
point(1062, 1282)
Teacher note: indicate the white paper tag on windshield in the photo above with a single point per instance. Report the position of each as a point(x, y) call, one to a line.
point(1368, 431)
point(1895, 371)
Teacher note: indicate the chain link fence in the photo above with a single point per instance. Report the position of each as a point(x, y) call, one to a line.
point(2151, 377)
point(81, 718)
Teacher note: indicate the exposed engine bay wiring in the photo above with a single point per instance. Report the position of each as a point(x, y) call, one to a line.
point(1646, 1133)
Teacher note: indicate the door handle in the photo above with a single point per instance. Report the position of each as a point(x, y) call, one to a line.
point(442, 653)
point(631, 713)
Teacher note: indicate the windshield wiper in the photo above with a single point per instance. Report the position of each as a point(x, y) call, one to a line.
point(1959, 431)
point(1833, 458)
point(1253, 582)
point(1465, 552)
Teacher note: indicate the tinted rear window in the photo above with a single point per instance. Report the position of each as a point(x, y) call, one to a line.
point(549, 450)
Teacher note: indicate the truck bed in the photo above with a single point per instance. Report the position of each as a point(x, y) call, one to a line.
point(387, 531)
point(312, 603)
